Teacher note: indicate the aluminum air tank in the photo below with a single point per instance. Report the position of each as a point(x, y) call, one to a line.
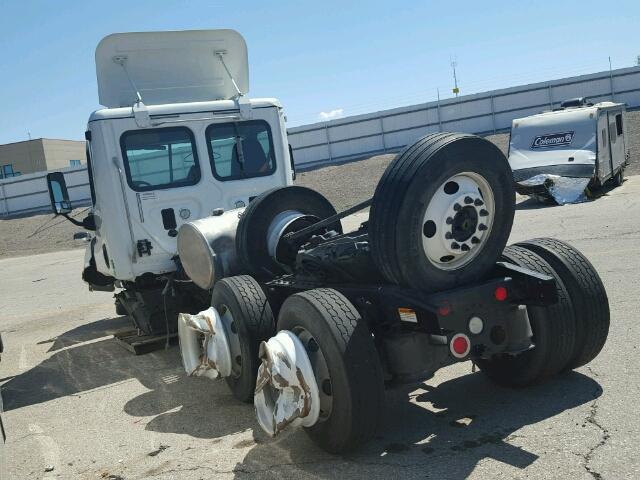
point(207, 248)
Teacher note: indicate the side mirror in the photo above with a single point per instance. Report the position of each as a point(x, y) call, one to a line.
point(58, 193)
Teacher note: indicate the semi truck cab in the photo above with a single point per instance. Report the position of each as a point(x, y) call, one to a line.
point(177, 140)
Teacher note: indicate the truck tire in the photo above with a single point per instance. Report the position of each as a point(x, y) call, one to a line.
point(252, 242)
point(251, 321)
point(326, 317)
point(120, 310)
point(552, 328)
point(587, 294)
point(442, 212)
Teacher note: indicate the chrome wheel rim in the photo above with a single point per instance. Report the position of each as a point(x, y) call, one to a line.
point(458, 220)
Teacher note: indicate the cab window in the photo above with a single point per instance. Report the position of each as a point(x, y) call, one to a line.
point(160, 158)
point(240, 150)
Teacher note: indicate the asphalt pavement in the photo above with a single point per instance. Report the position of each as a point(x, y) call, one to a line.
point(80, 406)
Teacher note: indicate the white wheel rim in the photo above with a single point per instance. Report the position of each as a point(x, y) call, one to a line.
point(458, 220)
point(286, 389)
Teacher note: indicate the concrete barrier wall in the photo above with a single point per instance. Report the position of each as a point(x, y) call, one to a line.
point(28, 193)
point(386, 131)
point(485, 113)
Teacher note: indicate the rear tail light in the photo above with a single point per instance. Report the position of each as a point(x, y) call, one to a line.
point(460, 345)
point(444, 309)
point(501, 293)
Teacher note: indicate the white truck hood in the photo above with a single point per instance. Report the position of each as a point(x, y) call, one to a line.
point(171, 67)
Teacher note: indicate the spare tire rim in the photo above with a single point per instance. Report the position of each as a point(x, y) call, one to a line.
point(458, 220)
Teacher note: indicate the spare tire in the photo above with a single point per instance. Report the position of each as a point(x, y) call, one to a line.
point(442, 212)
point(269, 216)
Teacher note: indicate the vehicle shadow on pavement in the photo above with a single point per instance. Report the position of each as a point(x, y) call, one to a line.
point(534, 204)
point(84, 360)
point(463, 421)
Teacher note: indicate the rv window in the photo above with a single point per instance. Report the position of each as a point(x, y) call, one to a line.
point(619, 124)
point(241, 150)
point(160, 158)
point(604, 137)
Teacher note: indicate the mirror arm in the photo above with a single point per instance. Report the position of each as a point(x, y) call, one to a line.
point(88, 223)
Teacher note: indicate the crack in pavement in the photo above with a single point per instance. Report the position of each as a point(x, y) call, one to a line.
point(605, 435)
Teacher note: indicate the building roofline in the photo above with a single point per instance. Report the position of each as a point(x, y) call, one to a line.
point(42, 138)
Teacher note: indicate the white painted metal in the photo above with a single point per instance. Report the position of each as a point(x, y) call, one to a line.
point(126, 216)
point(617, 142)
point(171, 67)
point(570, 138)
point(473, 194)
point(604, 149)
point(204, 344)
point(286, 388)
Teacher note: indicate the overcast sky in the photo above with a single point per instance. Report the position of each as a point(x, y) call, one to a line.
point(322, 59)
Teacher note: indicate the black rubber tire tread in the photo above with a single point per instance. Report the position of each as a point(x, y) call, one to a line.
point(353, 362)
point(254, 321)
point(251, 242)
point(401, 164)
point(396, 205)
point(552, 328)
point(120, 310)
point(587, 293)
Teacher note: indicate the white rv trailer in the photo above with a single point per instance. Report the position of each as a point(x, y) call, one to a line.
point(579, 140)
point(178, 140)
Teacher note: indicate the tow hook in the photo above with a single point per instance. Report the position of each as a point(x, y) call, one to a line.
point(204, 344)
point(286, 388)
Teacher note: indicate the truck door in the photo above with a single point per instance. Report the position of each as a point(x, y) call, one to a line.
point(163, 175)
point(604, 152)
point(616, 139)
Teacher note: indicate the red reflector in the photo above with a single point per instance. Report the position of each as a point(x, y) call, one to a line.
point(444, 310)
point(501, 294)
point(460, 345)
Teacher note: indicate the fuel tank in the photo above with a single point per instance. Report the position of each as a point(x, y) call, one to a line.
point(207, 248)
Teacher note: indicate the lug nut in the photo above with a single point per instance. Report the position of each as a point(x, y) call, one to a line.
point(456, 206)
point(475, 240)
point(468, 200)
point(483, 213)
point(482, 227)
point(449, 220)
point(448, 235)
point(455, 246)
point(465, 247)
point(478, 202)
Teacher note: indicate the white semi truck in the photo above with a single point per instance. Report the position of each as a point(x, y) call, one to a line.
point(198, 229)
